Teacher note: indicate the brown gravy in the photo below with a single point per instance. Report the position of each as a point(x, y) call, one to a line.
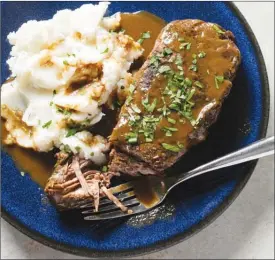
point(218, 61)
point(40, 165)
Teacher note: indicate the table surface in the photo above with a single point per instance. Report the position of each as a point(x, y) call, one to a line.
point(245, 230)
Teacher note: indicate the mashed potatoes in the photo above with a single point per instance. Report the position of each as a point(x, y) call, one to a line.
point(65, 69)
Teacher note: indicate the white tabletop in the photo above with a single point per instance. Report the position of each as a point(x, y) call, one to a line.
point(245, 230)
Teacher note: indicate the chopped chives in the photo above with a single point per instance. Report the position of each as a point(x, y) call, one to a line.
point(46, 125)
point(171, 120)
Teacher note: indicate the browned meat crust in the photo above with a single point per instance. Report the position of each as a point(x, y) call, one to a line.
point(222, 59)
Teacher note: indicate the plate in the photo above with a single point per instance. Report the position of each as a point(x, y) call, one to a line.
point(191, 206)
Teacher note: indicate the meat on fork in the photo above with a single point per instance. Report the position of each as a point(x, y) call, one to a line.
point(73, 184)
point(178, 94)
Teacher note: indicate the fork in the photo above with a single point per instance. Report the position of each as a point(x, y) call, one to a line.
point(127, 194)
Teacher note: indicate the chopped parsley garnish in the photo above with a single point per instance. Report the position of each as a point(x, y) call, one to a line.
point(71, 131)
point(132, 88)
point(63, 111)
point(172, 148)
point(167, 51)
point(78, 148)
point(66, 148)
point(130, 96)
point(171, 120)
point(155, 60)
point(198, 84)
point(184, 45)
point(145, 35)
point(181, 39)
point(193, 67)
point(218, 80)
point(131, 137)
point(172, 129)
point(104, 168)
point(202, 54)
point(177, 99)
point(92, 153)
point(46, 125)
point(105, 51)
point(169, 130)
point(152, 106)
point(68, 54)
point(164, 68)
point(178, 60)
point(135, 108)
point(174, 106)
point(65, 62)
point(191, 93)
point(217, 29)
point(188, 82)
point(168, 133)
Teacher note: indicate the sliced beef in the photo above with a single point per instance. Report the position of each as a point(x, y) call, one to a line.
point(178, 94)
point(73, 184)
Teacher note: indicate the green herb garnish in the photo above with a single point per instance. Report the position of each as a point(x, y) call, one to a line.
point(71, 131)
point(218, 80)
point(104, 168)
point(131, 137)
point(46, 125)
point(164, 68)
point(188, 82)
point(202, 54)
point(145, 35)
point(193, 67)
point(135, 108)
point(155, 60)
point(105, 51)
point(63, 111)
point(198, 84)
point(170, 147)
point(78, 148)
point(132, 88)
point(172, 129)
point(191, 93)
point(152, 107)
point(217, 29)
point(178, 60)
point(65, 62)
point(183, 45)
point(171, 120)
point(167, 51)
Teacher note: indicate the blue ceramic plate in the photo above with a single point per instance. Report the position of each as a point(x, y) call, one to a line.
point(189, 208)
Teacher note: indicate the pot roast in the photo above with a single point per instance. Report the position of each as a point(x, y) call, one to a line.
point(176, 96)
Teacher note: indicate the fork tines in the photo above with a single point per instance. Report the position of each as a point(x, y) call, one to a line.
point(107, 209)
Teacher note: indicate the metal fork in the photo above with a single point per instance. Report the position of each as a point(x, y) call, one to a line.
point(161, 187)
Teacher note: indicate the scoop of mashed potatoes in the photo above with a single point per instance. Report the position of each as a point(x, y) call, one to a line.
point(64, 70)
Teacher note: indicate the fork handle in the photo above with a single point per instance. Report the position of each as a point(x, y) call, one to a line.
point(255, 150)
